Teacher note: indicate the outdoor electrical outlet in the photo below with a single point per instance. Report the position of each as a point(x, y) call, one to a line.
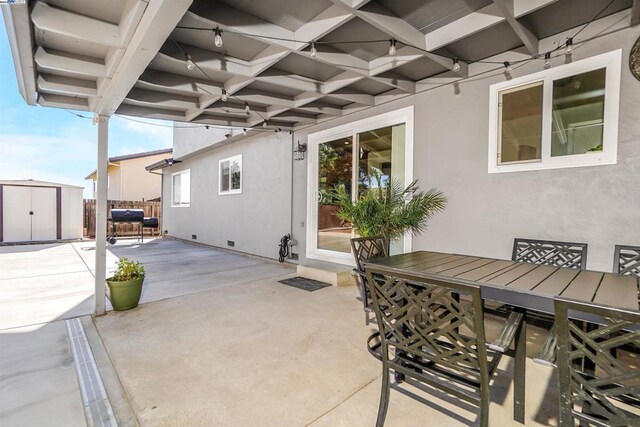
point(231, 243)
point(194, 237)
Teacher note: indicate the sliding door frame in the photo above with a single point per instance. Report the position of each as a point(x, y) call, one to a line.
point(397, 117)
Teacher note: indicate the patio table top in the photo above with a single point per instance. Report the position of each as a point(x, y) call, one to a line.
point(525, 285)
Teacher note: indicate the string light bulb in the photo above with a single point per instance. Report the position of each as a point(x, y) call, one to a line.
point(313, 51)
point(507, 66)
point(244, 131)
point(225, 95)
point(392, 47)
point(547, 60)
point(456, 65)
point(190, 64)
point(569, 46)
point(264, 124)
point(217, 39)
point(246, 108)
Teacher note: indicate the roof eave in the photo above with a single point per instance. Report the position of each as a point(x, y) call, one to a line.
point(19, 34)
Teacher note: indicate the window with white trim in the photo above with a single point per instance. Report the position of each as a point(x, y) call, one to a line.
point(181, 189)
point(230, 175)
point(563, 117)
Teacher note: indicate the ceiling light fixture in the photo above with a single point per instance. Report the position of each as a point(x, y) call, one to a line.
point(392, 47)
point(217, 40)
point(190, 64)
point(569, 45)
point(547, 60)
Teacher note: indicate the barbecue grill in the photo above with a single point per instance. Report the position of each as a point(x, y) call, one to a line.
point(130, 216)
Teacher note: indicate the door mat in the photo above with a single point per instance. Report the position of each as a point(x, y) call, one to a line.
point(305, 284)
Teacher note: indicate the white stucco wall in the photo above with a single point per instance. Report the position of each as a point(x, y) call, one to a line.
point(257, 218)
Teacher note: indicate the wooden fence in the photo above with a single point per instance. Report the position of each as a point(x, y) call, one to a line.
point(151, 209)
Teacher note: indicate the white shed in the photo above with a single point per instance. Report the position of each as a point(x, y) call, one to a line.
point(32, 211)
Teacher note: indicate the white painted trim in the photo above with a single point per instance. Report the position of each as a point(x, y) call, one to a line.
point(229, 191)
point(612, 62)
point(182, 205)
point(403, 115)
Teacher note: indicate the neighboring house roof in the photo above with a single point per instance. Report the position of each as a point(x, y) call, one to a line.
point(32, 182)
point(133, 156)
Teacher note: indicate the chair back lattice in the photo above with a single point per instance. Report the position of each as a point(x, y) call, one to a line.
point(426, 321)
point(366, 248)
point(598, 375)
point(627, 260)
point(556, 254)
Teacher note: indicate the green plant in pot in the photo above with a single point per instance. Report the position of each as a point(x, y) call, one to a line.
point(125, 286)
point(389, 209)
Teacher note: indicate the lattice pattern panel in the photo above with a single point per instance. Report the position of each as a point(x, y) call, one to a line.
point(628, 260)
point(557, 254)
point(606, 387)
point(365, 248)
point(425, 322)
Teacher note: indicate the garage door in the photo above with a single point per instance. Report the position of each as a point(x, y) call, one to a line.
point(29, 213)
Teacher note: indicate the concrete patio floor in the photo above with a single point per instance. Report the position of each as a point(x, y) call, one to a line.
point(267, 354)
point(217, 342)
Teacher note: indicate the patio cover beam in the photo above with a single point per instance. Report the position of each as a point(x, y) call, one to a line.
point(524, 34)
point(635, 13)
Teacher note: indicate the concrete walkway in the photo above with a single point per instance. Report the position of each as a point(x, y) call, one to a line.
point(42, 284)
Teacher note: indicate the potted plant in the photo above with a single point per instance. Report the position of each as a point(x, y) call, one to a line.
point(389, 210)
point(125, 286)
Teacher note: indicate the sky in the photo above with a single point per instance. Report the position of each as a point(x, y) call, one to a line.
point(50, 144)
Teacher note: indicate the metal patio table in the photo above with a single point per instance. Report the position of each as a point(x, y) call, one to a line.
point(522, 285)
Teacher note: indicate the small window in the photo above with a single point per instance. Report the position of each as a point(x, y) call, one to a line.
point(563, 117)
point(181, 189)
point(230, 171)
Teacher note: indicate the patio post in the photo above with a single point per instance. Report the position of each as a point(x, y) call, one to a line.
point(101, 214)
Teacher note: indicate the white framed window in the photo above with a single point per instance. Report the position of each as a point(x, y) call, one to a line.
point(230, 175)
point(563, 117)
point(181, 189)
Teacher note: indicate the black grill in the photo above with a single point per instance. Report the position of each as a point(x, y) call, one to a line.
point(130, 216)
point(127, 215)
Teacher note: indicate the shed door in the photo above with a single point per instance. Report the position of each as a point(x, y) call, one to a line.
point(16, 221)
point(44, 218)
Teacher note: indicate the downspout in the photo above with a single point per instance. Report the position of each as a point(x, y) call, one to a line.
point(291, 191)
point(161, 223)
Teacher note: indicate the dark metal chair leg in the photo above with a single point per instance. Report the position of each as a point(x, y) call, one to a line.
point(384, 398)
point(519, 371)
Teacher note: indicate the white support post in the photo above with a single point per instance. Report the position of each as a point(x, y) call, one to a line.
point(101, 215)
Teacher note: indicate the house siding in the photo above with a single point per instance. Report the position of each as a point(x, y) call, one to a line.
point(598, 205)
point(257, 218)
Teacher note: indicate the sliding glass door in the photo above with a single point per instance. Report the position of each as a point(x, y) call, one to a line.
point(363, 159)
point(335, 169)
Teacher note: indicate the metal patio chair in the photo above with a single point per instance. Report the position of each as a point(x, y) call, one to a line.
point(556, 254)
point(626, 260)
point(547, 252)
point(597, 388)
point(365, 249)
point(429, 336)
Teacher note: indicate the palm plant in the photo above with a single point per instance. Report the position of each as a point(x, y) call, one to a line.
point(389, 211)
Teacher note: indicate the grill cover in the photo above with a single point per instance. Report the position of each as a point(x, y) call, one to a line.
point(127, 215)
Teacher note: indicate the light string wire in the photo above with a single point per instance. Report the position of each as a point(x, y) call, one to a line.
point(451, 58)
point(520, 62)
